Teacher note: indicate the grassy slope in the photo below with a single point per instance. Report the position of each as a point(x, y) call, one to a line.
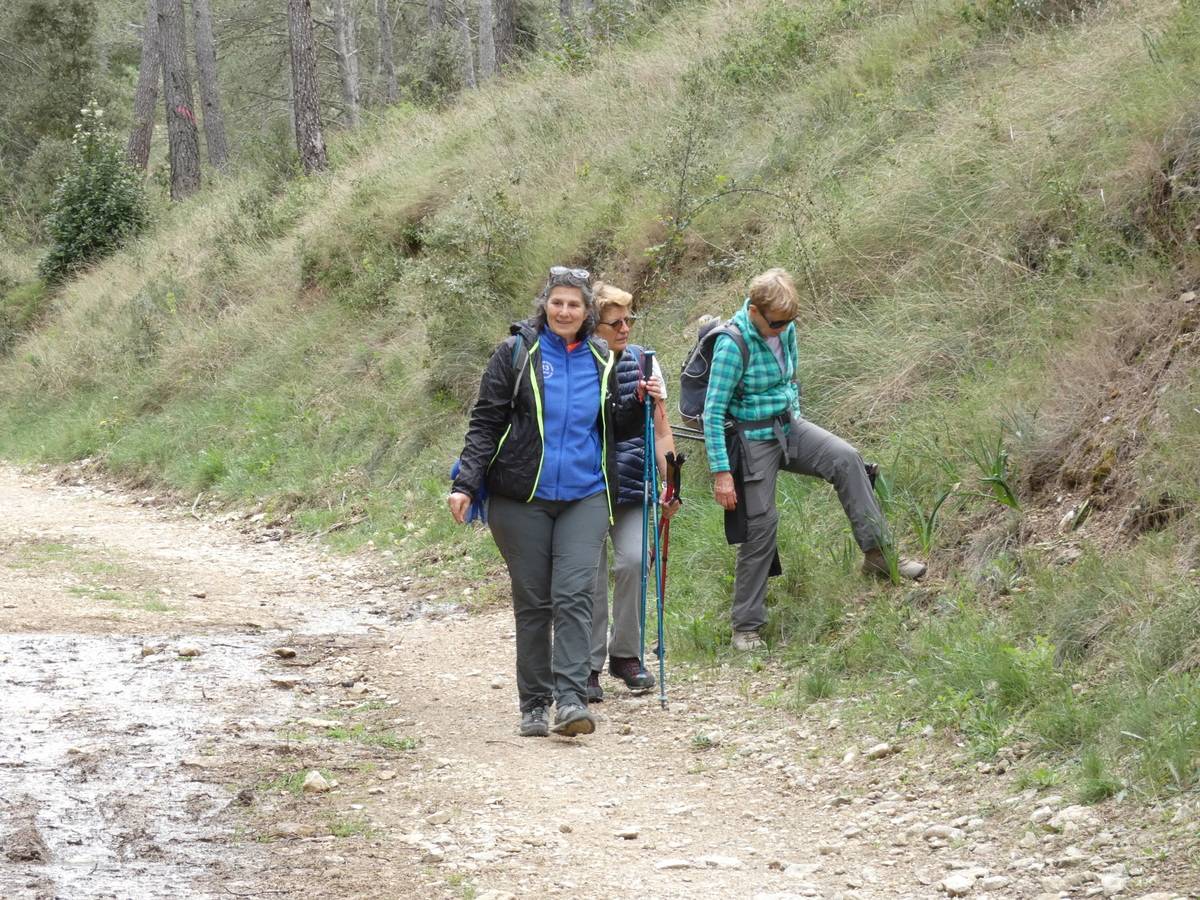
point(967, 203)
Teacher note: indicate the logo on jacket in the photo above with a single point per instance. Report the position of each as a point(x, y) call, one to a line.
point(547, 369)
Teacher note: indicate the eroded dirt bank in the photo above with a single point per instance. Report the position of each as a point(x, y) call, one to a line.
point(167, 685)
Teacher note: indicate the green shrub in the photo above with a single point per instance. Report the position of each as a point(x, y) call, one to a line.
point(98, 204)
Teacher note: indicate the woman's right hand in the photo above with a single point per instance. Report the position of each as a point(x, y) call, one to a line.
point(459, 504)
point(724, 492)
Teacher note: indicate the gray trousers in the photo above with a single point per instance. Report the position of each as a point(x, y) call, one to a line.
point(552, 548)
point(626, 639)
point(811, 450)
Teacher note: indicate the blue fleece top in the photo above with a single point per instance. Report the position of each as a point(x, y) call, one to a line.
point(571, 467)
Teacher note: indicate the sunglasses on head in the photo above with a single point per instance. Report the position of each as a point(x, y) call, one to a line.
point(571, 276)
point(626, 321)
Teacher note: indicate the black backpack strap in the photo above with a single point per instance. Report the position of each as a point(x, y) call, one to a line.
point(736, 333)
point(520, 362)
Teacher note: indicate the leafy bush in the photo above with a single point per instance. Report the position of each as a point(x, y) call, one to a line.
point(98, 204)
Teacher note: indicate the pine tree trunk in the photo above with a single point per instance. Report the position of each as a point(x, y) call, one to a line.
point(182, 140)
point(467, 49)
point(310, 142)
point(347, 61)
point(387, 59)
point(505, 30)
point(210, 95)
point(146, 96)
point(437, 14)
point(487, 41)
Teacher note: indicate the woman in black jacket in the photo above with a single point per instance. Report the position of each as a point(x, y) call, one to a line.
point(542, 439)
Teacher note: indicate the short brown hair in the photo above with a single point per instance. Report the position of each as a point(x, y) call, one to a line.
point(774, 292)
point(610, 295)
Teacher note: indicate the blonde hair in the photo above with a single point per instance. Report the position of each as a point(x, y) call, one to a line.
point(610, 295)
point(774, 292)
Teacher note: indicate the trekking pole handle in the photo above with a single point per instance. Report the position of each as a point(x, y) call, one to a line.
point(647, 364)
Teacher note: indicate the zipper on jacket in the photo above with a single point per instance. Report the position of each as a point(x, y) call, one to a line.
point(608, 364)
point(537, 402)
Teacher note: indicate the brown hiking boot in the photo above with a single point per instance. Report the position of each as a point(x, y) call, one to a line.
point(875, 563)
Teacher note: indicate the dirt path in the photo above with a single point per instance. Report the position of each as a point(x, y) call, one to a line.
point(130, 770)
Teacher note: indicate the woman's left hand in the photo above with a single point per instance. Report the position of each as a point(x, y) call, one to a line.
point(652, 386)
point(668, 505)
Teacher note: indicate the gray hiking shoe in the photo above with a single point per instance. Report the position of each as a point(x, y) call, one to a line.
point(875, 563)
point(535, 722)
point(595, 693)
point(746, 641)
point(573, 719)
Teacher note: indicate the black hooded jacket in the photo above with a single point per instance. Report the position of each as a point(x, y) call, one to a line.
point(503, 448)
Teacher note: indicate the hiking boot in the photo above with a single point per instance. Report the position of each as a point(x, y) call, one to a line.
point(875, 563)
point(573, 719)
point(746, 641)
point(629, 670)
point(535, 722)
point(595, 693)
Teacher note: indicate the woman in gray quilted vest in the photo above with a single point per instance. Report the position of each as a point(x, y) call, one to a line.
point(614, 322)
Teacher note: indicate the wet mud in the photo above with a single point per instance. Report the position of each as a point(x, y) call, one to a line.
point(104, 754)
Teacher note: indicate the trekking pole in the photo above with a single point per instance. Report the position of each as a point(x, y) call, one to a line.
point(674, 486)
point(651, 466)
point(649, 472)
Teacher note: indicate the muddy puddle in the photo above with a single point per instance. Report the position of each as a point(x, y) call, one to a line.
point(103, 757)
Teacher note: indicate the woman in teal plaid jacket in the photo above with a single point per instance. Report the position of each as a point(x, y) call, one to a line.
point(758, 406)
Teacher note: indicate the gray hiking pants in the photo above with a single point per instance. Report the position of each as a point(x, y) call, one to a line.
point(811, 450)
point(552, 548)
point(626, 639)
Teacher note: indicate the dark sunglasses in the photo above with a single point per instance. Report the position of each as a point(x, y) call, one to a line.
point(568, 275)
point(627, 322)
point(776, 323)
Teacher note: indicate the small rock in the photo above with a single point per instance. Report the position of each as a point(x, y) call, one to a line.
point(565, 828)
point(1077, 816)
point(1188, 297)
point(188, 651)
point(945, 832)
point(957, 885)
point(386, 775)
point(292, 830)
point(285, 681)
point(315, 783)
point(1113, 884)
point(441, 817)
point(358, 689)
point(319, 723)
point(626, 834)
point(994, 882)
point(497, 683)
point(850, 756)
point(714, 861)
point(284, 652)
point(433, 855)
point(151, 649)
point(1041, 814)
point(801, 870)
point(674, 863)
point(880, 751)
point(26, 845)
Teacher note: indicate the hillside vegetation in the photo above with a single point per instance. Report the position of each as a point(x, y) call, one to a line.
point(992, 207)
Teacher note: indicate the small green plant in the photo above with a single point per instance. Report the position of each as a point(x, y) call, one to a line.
point(702, 741)
point(925, 524)
point(349, 826)
point(996, 474)
point(1095, 782)
point(99, 203)
point(818, 683)
point(1041, 777)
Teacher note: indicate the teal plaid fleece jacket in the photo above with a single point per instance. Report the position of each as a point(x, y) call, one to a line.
point(766, 390)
